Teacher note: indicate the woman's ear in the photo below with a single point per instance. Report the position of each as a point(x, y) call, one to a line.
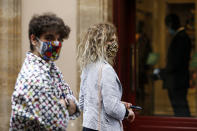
point(33, 39)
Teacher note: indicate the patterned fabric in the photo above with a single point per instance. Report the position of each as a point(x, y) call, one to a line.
point(35, 100)
point(50, 50)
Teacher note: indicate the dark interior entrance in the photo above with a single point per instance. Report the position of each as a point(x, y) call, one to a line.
point(156, 116)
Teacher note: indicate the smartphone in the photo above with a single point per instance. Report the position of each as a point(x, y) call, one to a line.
point(136, 107)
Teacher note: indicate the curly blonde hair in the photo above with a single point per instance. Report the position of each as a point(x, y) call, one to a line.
point(98, 44)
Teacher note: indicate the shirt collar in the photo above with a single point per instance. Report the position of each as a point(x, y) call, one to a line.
point(180, 29)
point(32, 58)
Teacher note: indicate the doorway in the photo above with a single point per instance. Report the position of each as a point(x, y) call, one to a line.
point(152, 51)
point(148, 17)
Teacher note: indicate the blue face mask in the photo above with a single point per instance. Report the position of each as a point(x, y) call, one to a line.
point(171, 31)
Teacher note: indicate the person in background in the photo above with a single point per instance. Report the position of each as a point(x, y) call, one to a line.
point(41, 99)
point(175, 75)
point(100, 88)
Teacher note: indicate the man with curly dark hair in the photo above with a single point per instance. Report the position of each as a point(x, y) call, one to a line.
point(41, 99)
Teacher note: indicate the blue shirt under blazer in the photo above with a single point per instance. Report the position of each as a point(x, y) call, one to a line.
point(112, 110)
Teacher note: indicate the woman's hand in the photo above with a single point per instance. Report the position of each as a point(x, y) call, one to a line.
point(131, 115)
point(127, 105)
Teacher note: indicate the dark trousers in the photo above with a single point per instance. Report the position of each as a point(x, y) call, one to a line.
point(88, 129)
point(178, 99)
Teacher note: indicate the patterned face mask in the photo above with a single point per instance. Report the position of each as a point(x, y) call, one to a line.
point(112, 49)
point(50, 50)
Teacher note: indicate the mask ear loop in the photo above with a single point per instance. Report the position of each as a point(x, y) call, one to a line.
point(38, 40)
point(39, 48)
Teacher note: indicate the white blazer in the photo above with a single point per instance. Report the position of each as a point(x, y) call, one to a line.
point(112, 110)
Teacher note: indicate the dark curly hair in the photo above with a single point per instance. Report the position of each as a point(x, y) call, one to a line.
point(40, 24)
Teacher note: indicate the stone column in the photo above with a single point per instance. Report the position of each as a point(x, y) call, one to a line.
point(10, 57)
point(91, 12)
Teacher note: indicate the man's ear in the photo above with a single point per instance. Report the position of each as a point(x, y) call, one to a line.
point(33, 39)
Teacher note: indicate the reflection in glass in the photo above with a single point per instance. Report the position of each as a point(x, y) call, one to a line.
point(152, 46)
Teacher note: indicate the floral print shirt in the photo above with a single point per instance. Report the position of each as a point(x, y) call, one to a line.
point(35, 100)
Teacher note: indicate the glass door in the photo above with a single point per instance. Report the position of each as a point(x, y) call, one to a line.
point(143, 46)
point(152, 46)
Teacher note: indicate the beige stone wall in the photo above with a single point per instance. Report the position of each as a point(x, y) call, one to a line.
point(10, 37)
point(90, 12)
point(93, 11)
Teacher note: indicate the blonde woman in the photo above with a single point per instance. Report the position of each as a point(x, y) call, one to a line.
point(100, 89)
